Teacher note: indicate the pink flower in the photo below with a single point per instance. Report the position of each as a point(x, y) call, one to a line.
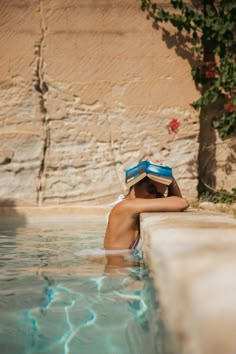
point(173, 126)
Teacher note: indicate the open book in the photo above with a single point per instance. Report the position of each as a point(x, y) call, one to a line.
point(146, 168)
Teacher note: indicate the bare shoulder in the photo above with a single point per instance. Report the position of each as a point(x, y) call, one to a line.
point(126, 206)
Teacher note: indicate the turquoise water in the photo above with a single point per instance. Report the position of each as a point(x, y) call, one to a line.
point(53, 301)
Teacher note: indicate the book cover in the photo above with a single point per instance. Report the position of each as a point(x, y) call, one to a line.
point(156, 172)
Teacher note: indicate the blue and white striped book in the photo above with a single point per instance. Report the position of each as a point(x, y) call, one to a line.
point(145, 168)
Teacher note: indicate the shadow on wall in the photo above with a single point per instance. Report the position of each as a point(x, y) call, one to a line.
point(10, 217)
point(207, 134)
point(181, 43)
point(207, 150)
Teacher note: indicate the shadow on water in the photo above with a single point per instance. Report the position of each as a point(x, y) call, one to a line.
point(10, 220)
point(10, 217)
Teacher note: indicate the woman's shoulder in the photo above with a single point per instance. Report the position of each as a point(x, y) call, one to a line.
point(118, 200)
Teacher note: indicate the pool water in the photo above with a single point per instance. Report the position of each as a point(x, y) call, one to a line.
point(55, 301)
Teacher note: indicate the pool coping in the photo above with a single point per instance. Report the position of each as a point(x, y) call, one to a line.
point(27, 211)
point(191, 256)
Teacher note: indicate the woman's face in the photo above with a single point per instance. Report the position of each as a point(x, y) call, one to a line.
point(148, 189)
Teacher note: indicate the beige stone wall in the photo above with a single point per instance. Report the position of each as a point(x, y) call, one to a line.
point(86, 88)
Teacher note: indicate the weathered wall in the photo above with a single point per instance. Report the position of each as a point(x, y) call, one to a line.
point(86, 88)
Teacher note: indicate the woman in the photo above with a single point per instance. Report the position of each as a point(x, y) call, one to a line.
point(145, 196)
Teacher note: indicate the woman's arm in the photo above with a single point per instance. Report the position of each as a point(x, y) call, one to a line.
point(173, 189)
point(142, 205)
point(123, 224)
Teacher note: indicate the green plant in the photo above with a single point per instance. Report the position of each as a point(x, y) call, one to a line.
point(211, 26)
point(220, 196)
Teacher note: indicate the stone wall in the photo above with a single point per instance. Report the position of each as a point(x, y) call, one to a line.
point(87, 88)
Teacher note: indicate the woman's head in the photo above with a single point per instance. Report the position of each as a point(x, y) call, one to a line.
point(146, 188)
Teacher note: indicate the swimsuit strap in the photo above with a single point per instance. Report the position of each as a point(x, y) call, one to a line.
point(136, 243)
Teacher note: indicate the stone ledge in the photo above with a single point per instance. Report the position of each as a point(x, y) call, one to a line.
point(52, 210)
point(218, 207)
point(21, 216)
point(192, 259)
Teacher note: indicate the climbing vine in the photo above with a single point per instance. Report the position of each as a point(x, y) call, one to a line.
point(210, 26)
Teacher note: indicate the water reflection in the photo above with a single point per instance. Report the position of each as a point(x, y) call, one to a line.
point(55, 302)
point(10, 216)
